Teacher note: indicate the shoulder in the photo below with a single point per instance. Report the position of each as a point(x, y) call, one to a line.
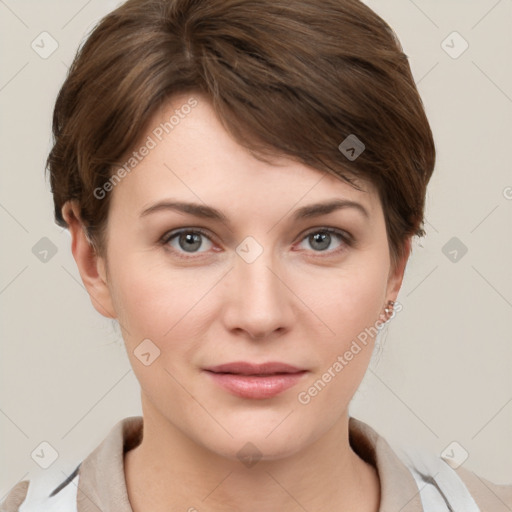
point(50, 492)
point(488, 495)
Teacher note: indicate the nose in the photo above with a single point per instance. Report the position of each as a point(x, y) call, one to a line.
point(259, 301)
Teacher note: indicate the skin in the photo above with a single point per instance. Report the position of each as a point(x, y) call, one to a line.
point(296, 303)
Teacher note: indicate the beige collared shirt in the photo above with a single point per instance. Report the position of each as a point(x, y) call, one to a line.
point(102, 486)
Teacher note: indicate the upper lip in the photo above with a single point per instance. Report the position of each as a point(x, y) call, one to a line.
point(244, 368)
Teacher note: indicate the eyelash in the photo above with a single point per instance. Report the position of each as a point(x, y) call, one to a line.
point(347, 240)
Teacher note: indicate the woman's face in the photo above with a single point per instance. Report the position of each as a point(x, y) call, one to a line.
point(241, 272)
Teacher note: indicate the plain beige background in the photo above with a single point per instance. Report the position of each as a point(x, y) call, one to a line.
point(444, 374)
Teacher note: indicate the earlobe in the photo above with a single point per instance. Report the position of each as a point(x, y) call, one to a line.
point(90, 265)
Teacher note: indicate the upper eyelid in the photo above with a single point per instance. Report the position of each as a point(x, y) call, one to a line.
point(174, 232)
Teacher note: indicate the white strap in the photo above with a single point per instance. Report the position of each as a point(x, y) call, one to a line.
point(38, 495)
point(431, 498)
point(441, 489)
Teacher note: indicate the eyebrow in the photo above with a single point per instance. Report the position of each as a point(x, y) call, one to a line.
point(207, 212)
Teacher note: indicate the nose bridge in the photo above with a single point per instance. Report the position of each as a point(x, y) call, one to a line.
point(260, 279)
point(259, 301)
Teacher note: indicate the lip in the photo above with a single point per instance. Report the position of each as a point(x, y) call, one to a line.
point(255, 381)
point(244, 368)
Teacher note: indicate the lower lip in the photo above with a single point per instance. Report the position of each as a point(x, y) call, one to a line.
point(258, 388)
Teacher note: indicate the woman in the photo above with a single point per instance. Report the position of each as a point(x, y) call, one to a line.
point(242, 181)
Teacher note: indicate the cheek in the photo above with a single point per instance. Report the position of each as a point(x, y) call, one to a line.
point(350, 301)
point(155, 302)
point(344, 352)
point(349, 307)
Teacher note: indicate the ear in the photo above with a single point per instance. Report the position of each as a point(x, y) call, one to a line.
point(396, 275)
point(92, 267)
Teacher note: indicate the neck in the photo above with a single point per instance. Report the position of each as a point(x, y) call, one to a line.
point(169, 471)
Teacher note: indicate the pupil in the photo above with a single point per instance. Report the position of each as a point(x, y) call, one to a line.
point(190, 239)
point(322, 237)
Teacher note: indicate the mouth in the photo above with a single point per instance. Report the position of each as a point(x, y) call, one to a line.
point(255, 381)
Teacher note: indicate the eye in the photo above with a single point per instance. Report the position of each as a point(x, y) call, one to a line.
point(187, 241)
point(190, 241)
point(321, 239)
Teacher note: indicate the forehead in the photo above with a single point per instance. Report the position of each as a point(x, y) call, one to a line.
point(185, 151)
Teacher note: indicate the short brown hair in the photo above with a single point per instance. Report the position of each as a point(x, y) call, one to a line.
point(285, 78)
